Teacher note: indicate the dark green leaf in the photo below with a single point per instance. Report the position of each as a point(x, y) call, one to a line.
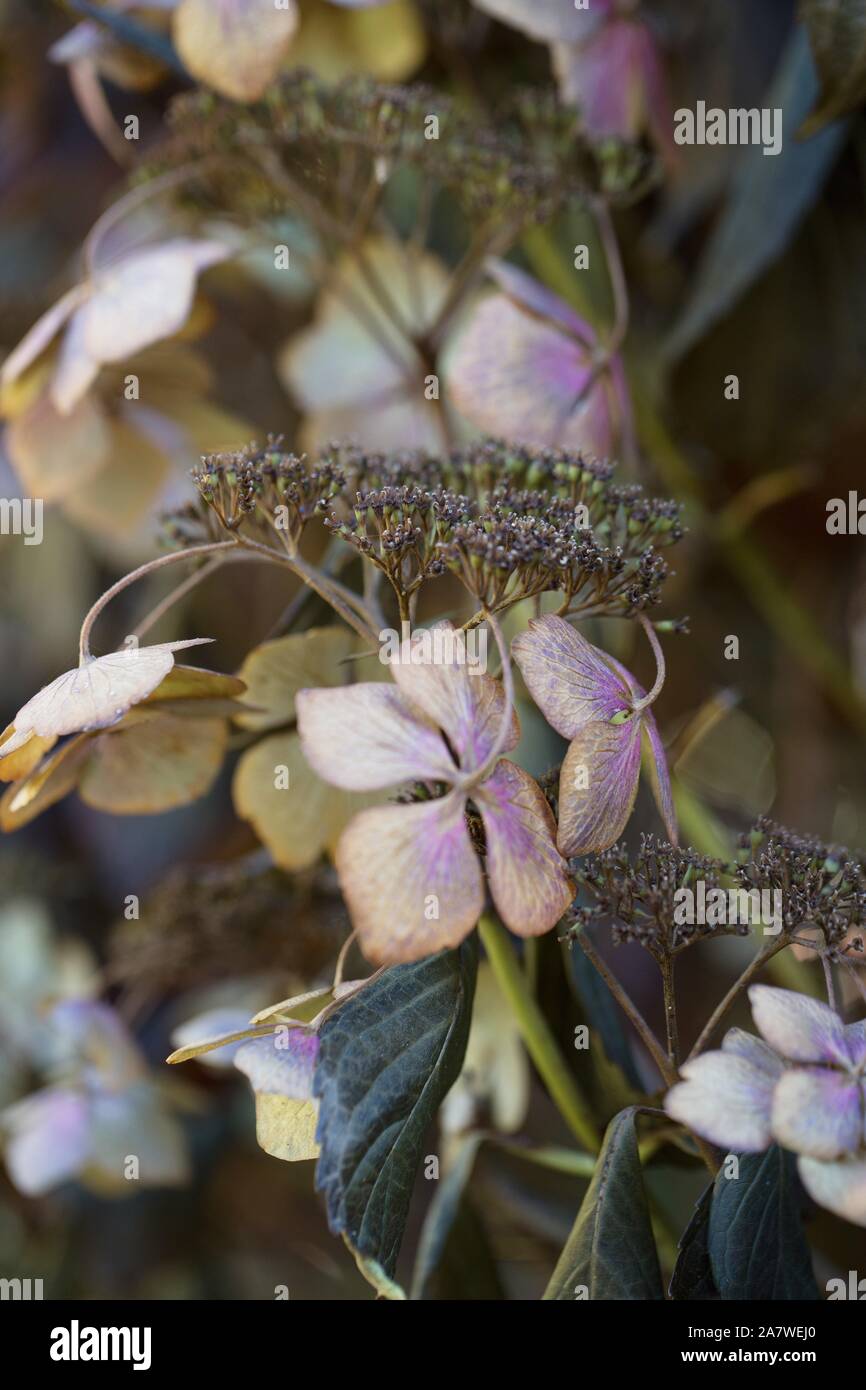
point(611, 1251)
point(769, 197)
point(757, 1245)
point(454, 1258)
point(387, 1058)
point(693, 1274)
point(837, 33)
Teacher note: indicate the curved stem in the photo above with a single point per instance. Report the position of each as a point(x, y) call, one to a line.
point(536, 1034)
point(619, 288)
point(349, 606)
point(480, 774)
point(631, 1011)
point(760, 960)
point(148, 568)
point(186, 586)
point(659, 655)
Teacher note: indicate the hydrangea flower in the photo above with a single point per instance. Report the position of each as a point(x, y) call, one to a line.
point(147, 736)
point(353, 371)
point(526, 366)
point(300, 818)
point(105, 1112)
point(606, 61)
point(94, 695)
point(410, 873)
point(617, 79)
point(277, 1052)
point(801, 1085)
point(592, 700)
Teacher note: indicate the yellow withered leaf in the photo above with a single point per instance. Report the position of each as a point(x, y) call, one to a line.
point(28, 755)
point(285, 1127)
point(235, 46)
point(55, 778)
point(275, 671)
point(154, 765)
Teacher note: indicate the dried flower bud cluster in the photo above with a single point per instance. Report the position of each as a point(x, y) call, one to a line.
point(266, 487)
point(536, 157)
point(399, 529)
point(638, 895)
point(822, 885)
point(510, 522)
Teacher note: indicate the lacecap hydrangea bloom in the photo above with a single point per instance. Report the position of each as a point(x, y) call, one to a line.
point(802, 1085)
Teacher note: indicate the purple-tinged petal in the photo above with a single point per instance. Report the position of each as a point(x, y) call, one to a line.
point(280, 1070)
point(570, 680)
point(529, 294)
point(282, 1063)
point(800, 1028)
point(49, 1135)
point(725, 1098)
point(469, 706)
point(366, 737)
point(528, 877)
point(839, 1186)
point(818, 1112)
point(738, 1043)
point(659, 776)
point(411, 878)
point(598, 786)
point(515, 375)
point(855, 1038)
point(548, 20)
point(618, 81)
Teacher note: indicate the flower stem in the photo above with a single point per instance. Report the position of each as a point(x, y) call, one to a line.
point(751, 970)
point(630, 1009)
point(659, 655)
point(666, 966)
point(536, 1033)
point(211, 548)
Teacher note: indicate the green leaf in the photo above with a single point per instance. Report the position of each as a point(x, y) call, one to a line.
point(693, 1274)
point(757, 1245)
point(386, 1059)
point(454, 1258)
point(768, 199)
point(837, 33)
point(611, 1251)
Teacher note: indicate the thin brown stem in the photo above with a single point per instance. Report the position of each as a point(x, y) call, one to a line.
point(631, 1011)
point(211, 548)
point(771, 949)
point(186, 586)
point(659, 655)
point(666, 966)
point(619, 288)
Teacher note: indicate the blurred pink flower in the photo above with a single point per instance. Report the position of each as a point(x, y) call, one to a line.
point(606, 61)
point(617, 79)
point(804, 1087)
point(91, 1125)
point(589, 698)
point(527, 367)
